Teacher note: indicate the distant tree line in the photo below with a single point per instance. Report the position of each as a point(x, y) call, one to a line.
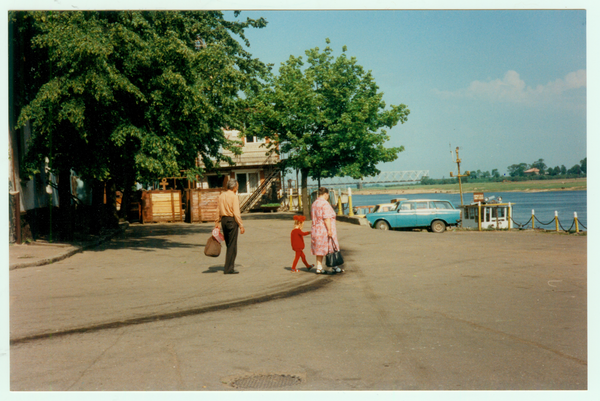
point(517, 172)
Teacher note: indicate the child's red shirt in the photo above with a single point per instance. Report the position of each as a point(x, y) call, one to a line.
point(297, 240)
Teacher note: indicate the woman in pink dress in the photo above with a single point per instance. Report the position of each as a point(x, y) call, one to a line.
point(323, 231)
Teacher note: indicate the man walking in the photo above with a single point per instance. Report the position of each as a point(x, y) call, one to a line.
point(228, 214)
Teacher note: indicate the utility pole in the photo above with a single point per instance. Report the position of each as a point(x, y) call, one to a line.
point(468, 173)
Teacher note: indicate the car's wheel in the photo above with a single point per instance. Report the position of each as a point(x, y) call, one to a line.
point(438, 226)
point(382, 225)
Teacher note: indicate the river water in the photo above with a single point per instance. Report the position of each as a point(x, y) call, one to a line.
point(543, 203)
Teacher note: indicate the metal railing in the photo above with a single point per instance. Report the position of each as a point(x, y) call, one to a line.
point(555, 221)
point(251, 200)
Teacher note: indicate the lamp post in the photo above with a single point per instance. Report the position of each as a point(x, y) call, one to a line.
point(468, 173)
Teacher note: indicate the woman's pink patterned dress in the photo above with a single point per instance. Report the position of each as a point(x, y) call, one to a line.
point(319, 243)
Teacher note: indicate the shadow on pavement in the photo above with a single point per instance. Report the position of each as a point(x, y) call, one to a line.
point(214, 269)
point(153, 237)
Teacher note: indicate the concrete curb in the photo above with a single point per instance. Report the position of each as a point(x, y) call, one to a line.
point(41, 262)
point(361, 221)
point(312, 285)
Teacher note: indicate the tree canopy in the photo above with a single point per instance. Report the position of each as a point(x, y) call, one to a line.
point(326, 117)
point(128, 92)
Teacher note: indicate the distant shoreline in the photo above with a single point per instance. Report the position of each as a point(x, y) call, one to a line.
point(577, 184)
point(444, 191)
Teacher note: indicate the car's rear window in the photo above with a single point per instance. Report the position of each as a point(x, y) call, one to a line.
point(441, 205)
point(422, 205)
point(407, 206)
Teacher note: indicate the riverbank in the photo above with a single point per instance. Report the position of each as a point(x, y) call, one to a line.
point(574, 184)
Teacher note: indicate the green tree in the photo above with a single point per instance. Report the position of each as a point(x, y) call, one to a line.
point(576, 169)
point(563, 170)
point(495, 173)
point(517, 170)
point(326, 117)
point(584, 165)
point(126, 96)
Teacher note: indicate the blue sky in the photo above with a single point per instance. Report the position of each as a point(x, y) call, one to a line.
point(504, 86)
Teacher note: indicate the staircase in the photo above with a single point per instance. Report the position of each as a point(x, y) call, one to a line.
point(270, 177)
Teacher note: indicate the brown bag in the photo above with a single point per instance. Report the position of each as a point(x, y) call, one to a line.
point(212, 247)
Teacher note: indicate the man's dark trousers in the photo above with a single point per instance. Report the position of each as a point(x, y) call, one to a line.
point(230, 232)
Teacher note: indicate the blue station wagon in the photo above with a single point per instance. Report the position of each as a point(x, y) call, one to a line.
point(432, 214)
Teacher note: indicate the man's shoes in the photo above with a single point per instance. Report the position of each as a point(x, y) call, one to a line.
point(233, 272)
point(309, 267)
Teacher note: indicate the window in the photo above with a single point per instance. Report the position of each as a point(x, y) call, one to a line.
point(470, 213)
point(214, 181)
point(498, 212)
point(422, 205)
point(441, 205)
point(408, 206)
point(248, 182)
point(253, 139)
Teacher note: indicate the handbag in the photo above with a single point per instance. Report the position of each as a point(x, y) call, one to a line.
point(334, 259)
point(212, 247)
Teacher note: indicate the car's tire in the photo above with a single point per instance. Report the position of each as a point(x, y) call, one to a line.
point(438, 226)
point(382, 225)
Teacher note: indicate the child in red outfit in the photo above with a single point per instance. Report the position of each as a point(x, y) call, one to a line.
point(298, 242)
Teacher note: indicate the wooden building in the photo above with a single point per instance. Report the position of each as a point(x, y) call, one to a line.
point(256, 170)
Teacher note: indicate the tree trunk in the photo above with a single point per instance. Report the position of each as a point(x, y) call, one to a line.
point(128, 184)
point(64, 204)
point(97, 210)
point(305, 198)
point(111, 219)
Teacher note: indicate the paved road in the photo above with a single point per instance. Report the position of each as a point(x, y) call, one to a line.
point(414, 311)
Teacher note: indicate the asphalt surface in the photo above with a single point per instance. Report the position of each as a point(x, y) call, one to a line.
point(147, 311)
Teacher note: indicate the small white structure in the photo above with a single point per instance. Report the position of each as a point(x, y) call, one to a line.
point(487, 213)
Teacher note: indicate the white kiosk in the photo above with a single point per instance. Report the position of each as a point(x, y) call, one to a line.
point(487, 213)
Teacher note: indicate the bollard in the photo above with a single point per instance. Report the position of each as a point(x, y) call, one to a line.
point(479, 216)
point(576, 223)
point(556, 219)
point(350, 211)
point(340, 207)
point(509, 216)
point(532, 219)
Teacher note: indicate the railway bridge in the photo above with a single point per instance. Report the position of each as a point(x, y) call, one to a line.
point(384, 178)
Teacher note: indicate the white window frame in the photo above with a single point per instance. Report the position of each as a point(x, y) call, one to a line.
point(247, 172)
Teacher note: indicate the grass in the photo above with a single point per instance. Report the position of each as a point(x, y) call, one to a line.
point(574, 184)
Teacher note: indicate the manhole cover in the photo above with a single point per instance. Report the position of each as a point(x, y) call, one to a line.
point(266, 381)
